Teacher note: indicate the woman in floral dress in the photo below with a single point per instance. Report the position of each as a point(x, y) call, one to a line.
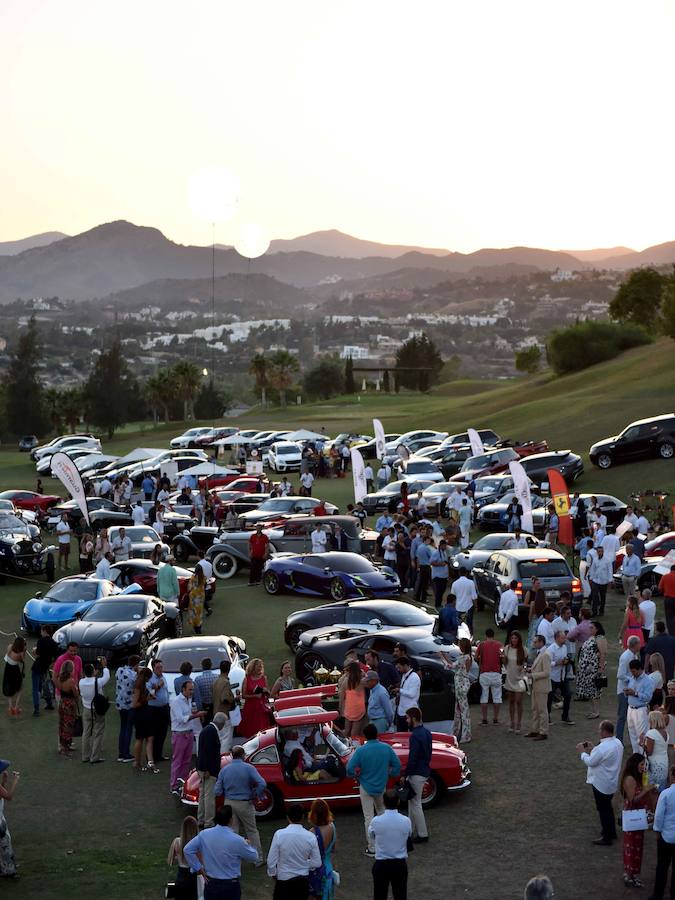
point(68, 707)
point(462, 685)
point(197, 593)
point(591, 664)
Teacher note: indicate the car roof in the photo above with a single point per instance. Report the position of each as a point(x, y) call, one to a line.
point(545, 454)
point(533, 553)
point(199, 640)
point(662, 418)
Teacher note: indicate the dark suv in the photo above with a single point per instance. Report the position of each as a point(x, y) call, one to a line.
point(646, 437)
point(487, 463)
point(567, 463)
point(494, 575)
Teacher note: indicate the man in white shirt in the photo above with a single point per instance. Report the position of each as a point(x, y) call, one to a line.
point(382, 477)
point(103, 567)
point(121, 546)
point(368, 474)
point(389, 547)
point(508, 609)
point(285, 487)
point(611, 545)
point(306, 480)
point(390, 831)
point(559, 670)
point(600, 574)
point(63, 532)
point(183, 483)
point(138, 514)
point(93, 724)
point(421, 505)
point(293, 852)
point(182, 733)
point(642, 525)
point(318, 539)
point(465, 516)
point(604, 765)
point(566, 622)
point(517, 542)
point(407, 692)
point(631, 517)
point(648, 610)
point(454, 503)
point(622, 675)
point(545, 628)
point(465, 591)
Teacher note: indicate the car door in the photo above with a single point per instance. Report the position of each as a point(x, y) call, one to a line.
point(310, 576)
point(296, 538)
point(482, 572)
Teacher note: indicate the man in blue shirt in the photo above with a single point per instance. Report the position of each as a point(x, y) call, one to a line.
point(417, 771)
point(147, 486)
point(374, 762)
point(379, 703)
point(239, 782)
point(423, 560)
point(158, 702)
point(448, 620)
point(630, 570)
point(664, 826)
point(385, 521)
point(221, 852)
point(639, 689)
point(439, 571)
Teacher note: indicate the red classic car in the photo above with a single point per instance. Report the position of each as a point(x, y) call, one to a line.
point(314, 726)
point(661, 545)
point(37, 503)
point(144, 573)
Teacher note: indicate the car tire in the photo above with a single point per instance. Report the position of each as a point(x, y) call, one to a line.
point(180, 552)
point(294, 636)
point(604, 461)
point(666, 450)
point(267, 804)
point(224, 565)
point(191, 445)
point(271, 583)
point(431, 792)
point(338, 591)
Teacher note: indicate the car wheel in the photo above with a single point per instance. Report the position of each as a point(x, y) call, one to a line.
point(650, 581)
point(143, 646)
point(337, 589)
point(431, 791)
point(180, 552)
point(666, 450)
point(271, 583)
point(604, 461)
point(224, 565)
point(192, 445)
point(267, 804)
point(294, 636)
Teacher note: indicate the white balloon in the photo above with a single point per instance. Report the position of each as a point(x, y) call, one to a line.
point(252, 241)
point(214, 194)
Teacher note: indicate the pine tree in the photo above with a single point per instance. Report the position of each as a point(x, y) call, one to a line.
point(25, 406)
point(350, 386)
point(111, 393)
point(386, 386)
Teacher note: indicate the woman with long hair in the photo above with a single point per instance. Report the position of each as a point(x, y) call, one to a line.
point(197, 597)
point(157, 554)
point(461, 668)
point(143, 723)
point(655, 743)
point(86, 553)
point(285, 681)
point(12, 679)
point(635, 796)
point(102, 545)
point(353, 700)
point(633, 622)
point(402, 565)
point(321, 881)
point(657, 673)
point(591, 665)
point(68, 706)
point(186, 884)
point(255, 714)
point(514, 658)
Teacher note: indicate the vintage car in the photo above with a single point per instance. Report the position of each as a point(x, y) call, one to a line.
point(333, 574)
point(143, 572)
point(143, 539)
point(37, 503)
point(118, 626)
point(30, 518)
point(265, 751)
point(216, 647)
point(661, 545)
point(65, 600)
point(21, 549)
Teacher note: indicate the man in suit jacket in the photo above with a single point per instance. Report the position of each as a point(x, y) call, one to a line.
point(541, 686)
point(208, 767)
point(224, 701)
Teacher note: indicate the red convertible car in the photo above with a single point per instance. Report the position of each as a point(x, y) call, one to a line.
point(37, 503)
point(313, 725)
point(144, 573)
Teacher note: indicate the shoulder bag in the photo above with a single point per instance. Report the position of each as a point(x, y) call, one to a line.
point(100, 702)
point(634, 820)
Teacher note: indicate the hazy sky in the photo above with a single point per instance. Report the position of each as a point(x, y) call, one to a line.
point(449, 124)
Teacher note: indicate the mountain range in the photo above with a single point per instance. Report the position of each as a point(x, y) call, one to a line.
point(119, 256)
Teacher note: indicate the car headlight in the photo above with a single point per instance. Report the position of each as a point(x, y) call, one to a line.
point(16, 549)
point(123, 638)
point(37, 547)
point(61, 639)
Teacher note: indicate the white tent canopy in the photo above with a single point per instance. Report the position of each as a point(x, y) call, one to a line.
point(139, 454)
point(206, 468)
point(302, 434)
point(232, 440)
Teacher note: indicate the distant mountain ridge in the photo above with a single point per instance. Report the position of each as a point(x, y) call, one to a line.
point(337, 243)
point(11, 248)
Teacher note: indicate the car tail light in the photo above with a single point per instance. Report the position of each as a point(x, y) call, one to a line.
point(576, 585)
point(519, 588)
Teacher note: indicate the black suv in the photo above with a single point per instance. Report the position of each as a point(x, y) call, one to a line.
point(646, 437)
point(567, 463)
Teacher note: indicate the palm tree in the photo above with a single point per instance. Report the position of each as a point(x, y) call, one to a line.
point(72, 407)
point(283, 367)
point(157, 390)
point(52, 398)
point(260, 369)
point(187, 380)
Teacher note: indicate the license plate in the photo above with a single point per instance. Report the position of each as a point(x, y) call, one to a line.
point(553, 595)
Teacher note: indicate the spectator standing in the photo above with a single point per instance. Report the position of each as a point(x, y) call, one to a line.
point(239, 783)
point(639, 689)
point(63, 533)
point(216, 854)
point(423, 563)
point(224, 701)
point(379, 703)
point(635, 795)
point(633, 622)
point(560, 662)
point(603, 763)
point(465, 515)
point(551, 536)
point(208, 769)
point(45, 652)
point(158, 707)
point(255, 716)
point(541, 688)
point(391, 832)
point(70, 656)
point(352, 697)
point(407, 692)
point(373, 763)
point(102, 546)
point(388, 673)
point(182, 735)
point(186, 885)
point(417, 772)
point(465, 593)
point(402, 551)
point(622, 675)
point(197, 599)
point(205, 681)
point(664, 826)
point(147, 486)
point(600, 575)
point(306, 482)
point(665, 645)
point(103, 569)
point(321, 881)
point(86, 553)
point(462, 666)
point(507, 612)
point(138, 514)
point(648, 610)
point(656, 749)
point(514, 658)
point(293, 853)
point(630, 570)
point(489, 659)
point(121, 546)
point(68, 693)
point(667, 591)
point(12, 678)
point(448, 620)
point(591, 669)
point(93, 721)
point(258, 551)
point(440, 571)
point(125, 679)
point(7, 791)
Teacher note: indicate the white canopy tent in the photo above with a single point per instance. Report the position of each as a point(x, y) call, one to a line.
point(138, 455)
point(204, 469)
point(302, 434)
point(232, 440)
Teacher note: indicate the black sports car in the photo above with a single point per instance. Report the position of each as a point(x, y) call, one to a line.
point(21, 550)
point(116, 627)
point(367, 614)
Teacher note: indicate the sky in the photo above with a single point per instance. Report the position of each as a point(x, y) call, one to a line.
point(443, 123)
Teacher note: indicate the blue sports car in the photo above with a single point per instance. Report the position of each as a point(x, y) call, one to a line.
point(64, 600)
point(339, 576)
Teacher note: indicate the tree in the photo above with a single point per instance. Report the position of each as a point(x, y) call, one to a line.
point(210, 401)
point(639, 298)
point(324, 380)
point(157, 390)
point(111, 391)
point(668, 308)
point(25, 407)
point(418, 363)
point(71, 404)
point(586, 343)
point(350, 386)
point(52, 402)
point(283, 366)
point(261, 371)
point(386, 386)
point(187, 379)
point(528, 359)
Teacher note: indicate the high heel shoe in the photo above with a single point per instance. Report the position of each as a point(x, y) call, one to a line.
point(151, 767)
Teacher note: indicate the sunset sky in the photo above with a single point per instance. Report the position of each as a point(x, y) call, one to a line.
point(447, 124)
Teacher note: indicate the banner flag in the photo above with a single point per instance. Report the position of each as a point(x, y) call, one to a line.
point(66, 471)
point(379, 438)
point(560, 499)
point(476, 444)
point(359, 473)
point(521, 487)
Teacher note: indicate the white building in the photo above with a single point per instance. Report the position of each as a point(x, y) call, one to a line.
point(355, 351)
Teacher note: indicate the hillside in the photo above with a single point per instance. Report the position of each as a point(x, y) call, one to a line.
point(658, 255)
point(12, 248)
point(336, 243)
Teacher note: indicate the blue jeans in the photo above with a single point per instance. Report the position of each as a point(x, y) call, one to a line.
point(621, 713)
point(126, 729)
point(36, 680)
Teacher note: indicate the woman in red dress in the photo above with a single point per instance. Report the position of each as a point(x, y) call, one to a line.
point(255, 714)
point(636, 795)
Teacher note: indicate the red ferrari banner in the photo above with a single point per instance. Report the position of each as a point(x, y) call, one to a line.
point(560, 499)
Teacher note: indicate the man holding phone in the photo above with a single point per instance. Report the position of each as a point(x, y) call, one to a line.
point(603, 763)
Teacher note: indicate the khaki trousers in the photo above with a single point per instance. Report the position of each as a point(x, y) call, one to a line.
point(93, 728)
point(243, 811)
point(207, 801)
point(372, 805)
point(539, 712)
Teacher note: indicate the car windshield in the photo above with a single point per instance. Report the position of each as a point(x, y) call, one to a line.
point(140, 535)
point(488, 485)
point(172, 657)
point(116, 611)
point(393, 488)
point(287, 449)
point(12, 524)
point(414, 468)
point(404, 615)
point(276, 504)
point(73, 592)
point(490, 542)
point(549, 568)
point(348, 562)
point(478, 462)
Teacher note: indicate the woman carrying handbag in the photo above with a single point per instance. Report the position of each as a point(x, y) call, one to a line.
point(637, 796)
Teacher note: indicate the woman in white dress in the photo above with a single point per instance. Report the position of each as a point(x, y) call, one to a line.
point(655, 743)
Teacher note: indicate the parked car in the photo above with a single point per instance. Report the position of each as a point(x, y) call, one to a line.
point(390, 495)
point(143, 539)
point(44, 465)
point(21, 549)
point(67, 442)
point(30, 518)
point(27, 443)
point(570, 465)
point(144, 573)
point(37, 503)
point(64, 601)
point(488, 463)
point(494, 516)
point(214, 434)
point(369, 449)
point(417, 468)
point(436, 497)
point(332, 574)
point(188, 438)
point(449, 459)
point(646, 437)
point(392, 446)
point(275, 509)
point(284, 456)
point(368, 614)
point(216, 647)
point(495, 488)
point(119, 626)
point(449, 768)
point(484, 547)
point(487, 436)
point(76, 518)
point(661, 545)
point(493, 577)
point(652, 571)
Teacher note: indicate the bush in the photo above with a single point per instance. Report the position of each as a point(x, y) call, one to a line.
point(325, 380)
point(586, 343)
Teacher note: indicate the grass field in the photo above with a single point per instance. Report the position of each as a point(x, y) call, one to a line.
point(106, 831)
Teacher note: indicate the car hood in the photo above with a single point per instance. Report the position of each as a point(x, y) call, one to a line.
point(15, 537)
point(48, 611)
point(605, 442)
point(88, 633)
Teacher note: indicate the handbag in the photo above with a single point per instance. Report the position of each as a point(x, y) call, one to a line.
point(78, 727)
point(600, 681)
point(405, 791)
point(100, 702)
point(634, 820)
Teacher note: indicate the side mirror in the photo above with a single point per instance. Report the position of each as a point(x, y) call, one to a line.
point(78, 615)
point(327, 570)
point(38, 595)
point(376, 623)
